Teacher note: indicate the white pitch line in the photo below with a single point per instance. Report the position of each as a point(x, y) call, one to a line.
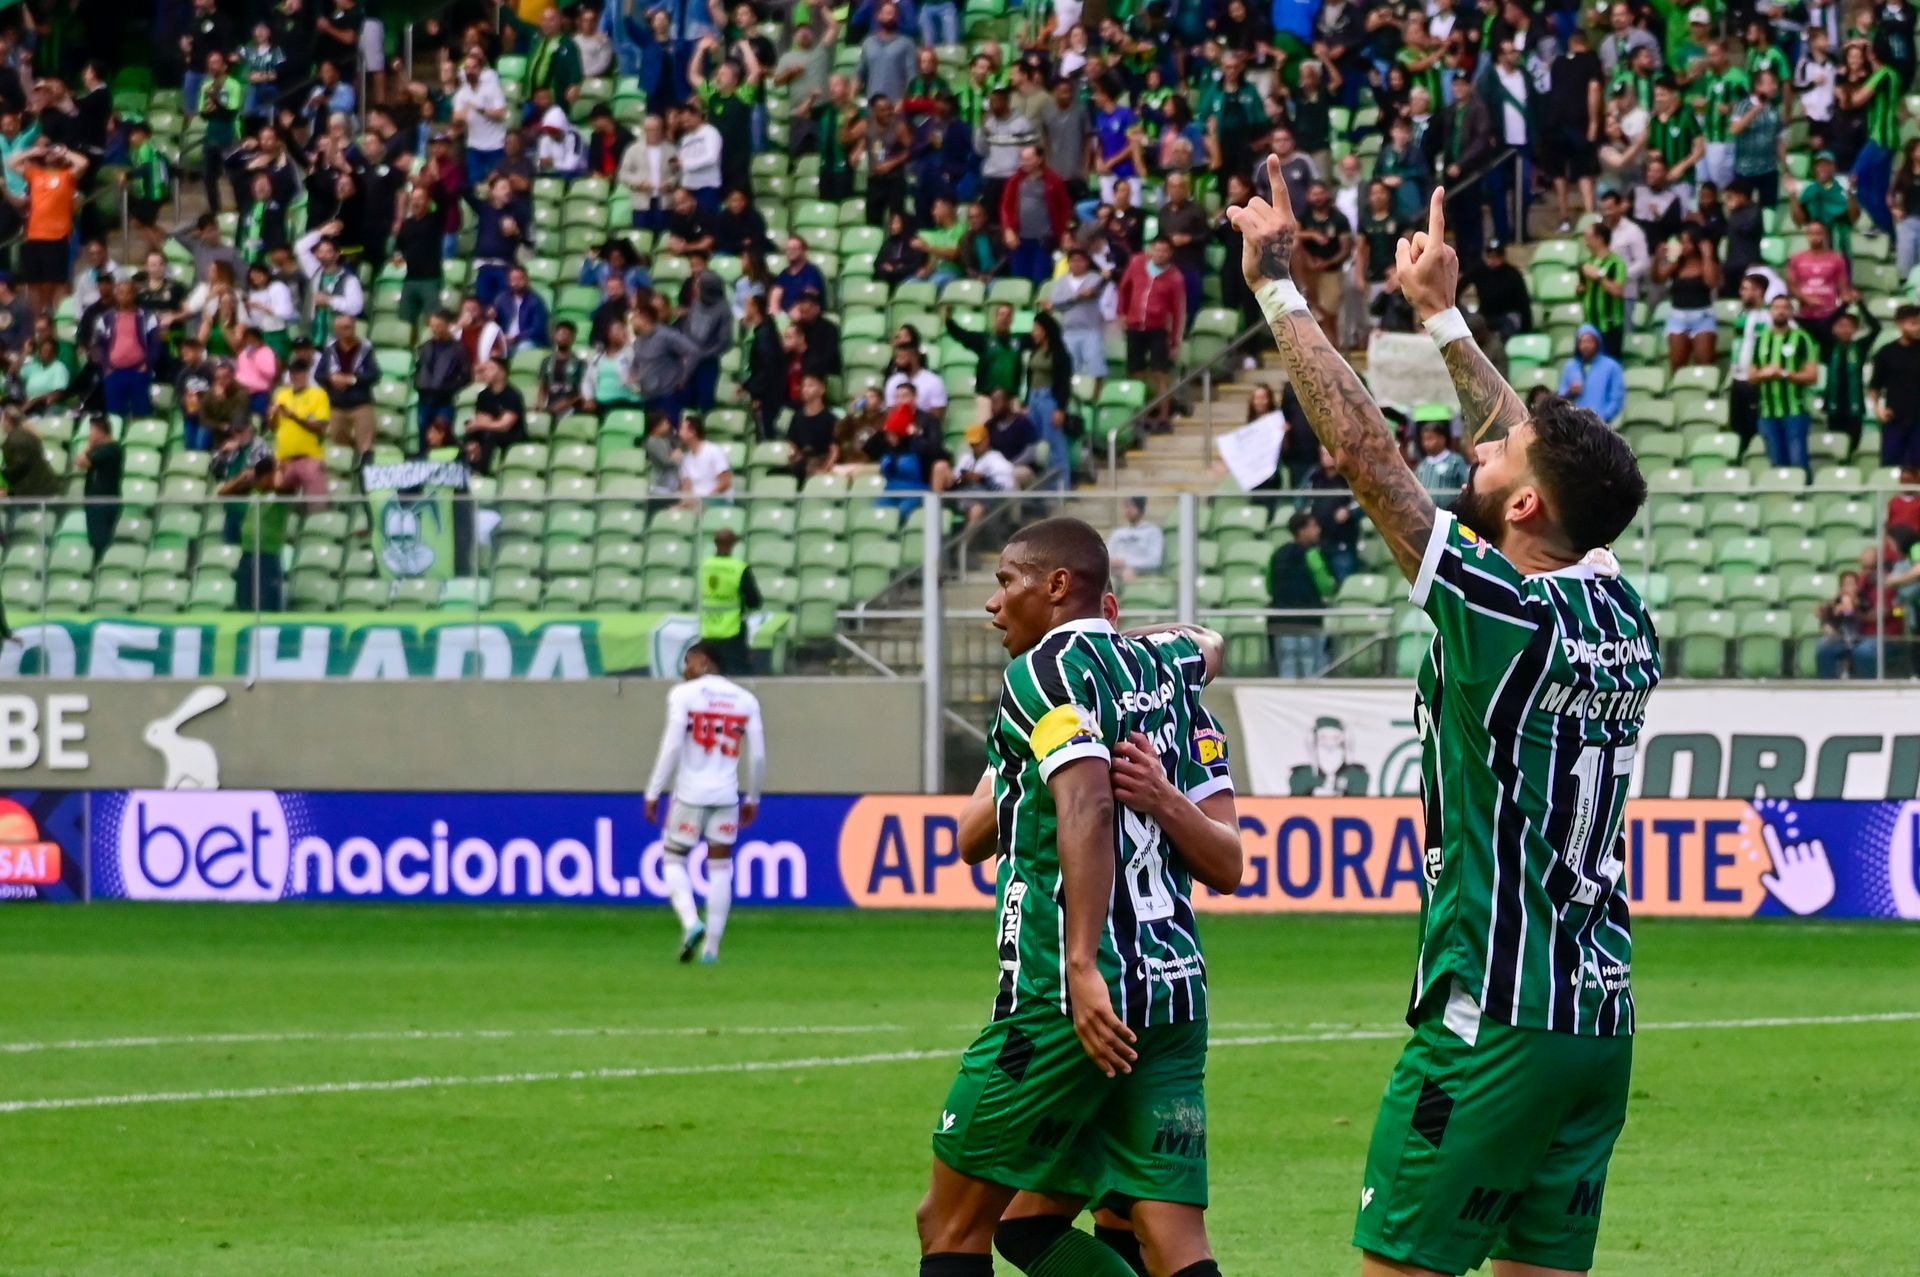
point(812, 1062)
point(439, 1035)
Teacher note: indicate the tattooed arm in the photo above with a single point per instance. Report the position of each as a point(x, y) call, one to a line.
point(1488, 405)
point(1337, 404)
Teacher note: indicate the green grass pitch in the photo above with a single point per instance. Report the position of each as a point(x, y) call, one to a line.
point(772, 1115)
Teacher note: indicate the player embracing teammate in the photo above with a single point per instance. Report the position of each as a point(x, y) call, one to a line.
point(1110, 794)
point(1498, 1124)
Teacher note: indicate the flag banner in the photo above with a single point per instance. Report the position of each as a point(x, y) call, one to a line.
point(367, 645)
point(412, 507)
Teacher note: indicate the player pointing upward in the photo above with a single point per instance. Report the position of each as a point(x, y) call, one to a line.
point(1497, 1126)
point(709, 718)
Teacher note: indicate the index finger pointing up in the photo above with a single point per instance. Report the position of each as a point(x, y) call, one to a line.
point(1437, 216)
point(1277, 186)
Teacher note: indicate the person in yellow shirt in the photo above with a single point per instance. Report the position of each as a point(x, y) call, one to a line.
point(298, 416)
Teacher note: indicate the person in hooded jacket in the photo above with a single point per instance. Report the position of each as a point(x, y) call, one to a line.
point(708, 324)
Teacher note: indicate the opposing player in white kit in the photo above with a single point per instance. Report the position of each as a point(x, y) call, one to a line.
point(708, 719)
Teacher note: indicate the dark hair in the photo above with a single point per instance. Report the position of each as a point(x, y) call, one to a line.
point(693, 423)
point(709, 651)
point(1299, 521)
point(567, 324)
point(1906, 312)
point(1589, 475)
point(1071, 544)
point(1604, 231)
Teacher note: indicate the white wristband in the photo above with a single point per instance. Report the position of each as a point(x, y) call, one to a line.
point(1447, 327)
point(1279, 297)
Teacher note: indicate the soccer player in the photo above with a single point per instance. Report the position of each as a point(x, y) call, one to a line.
point(1497, 1126)
point(708, 720)
point(1089, 1078)
point(1141, 782)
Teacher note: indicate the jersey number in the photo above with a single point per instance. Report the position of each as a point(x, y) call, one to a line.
point(1596, 804)
point(1146, 869)
point(717, 731)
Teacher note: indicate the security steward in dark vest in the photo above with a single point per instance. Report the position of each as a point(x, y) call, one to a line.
point(727, 594)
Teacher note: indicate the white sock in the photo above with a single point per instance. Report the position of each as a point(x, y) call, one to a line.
point(719, 900)
point(673, 867)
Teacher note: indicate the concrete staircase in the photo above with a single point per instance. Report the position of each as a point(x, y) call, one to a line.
point(1185, 461)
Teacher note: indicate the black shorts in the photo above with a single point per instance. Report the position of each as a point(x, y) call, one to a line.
point(43, 261)
point(1147, 351)
point(144, 212)
point(1571, 156)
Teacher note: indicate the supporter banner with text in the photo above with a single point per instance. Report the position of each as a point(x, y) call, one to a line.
point(1692, 858)
point(1745, 741)
point(357, 645)
point(412, 504)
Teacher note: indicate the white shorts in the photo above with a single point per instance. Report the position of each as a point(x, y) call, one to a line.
point(688, 823)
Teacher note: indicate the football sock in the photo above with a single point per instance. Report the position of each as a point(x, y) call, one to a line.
point(673, 867)
point(1205, 1268)
point(1123, 1242)
point(954, 1264)
point(719, 899)
point(1048, 1246)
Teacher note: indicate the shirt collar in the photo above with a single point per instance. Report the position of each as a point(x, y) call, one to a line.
point(1085, 625)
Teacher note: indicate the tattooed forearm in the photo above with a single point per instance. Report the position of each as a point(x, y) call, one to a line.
point(1488, 405)
point(1276, 258)
point(1346, 419)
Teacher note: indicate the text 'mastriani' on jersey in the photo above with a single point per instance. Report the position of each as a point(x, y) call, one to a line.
point(1076, 694)
point(1530, 705)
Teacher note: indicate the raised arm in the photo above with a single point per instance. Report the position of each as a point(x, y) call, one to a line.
point(1337, 404)
point(1429, 272)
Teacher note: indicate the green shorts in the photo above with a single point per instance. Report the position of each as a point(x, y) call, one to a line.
point(1496, 1147)
point(1029, 1110)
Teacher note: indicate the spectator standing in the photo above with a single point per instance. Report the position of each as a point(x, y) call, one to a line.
point(1300, 582)
point(257, 577)
point(239, 451)
point(1573, 104)
point(812, 446)
point(417, 246)
point(1726, 87)
point(1880, 97)
point(886, 57)
point(102, 465)
point(1828, 201)
point(347, 372)
point(554, 63)
point(221, 98)
point(441, 370)
point(1895, 386)
point(1003, 136)
point(127, 346)
point(1506, 86)
point(1756, 140)
point(1504, 301)
point(1819, 279)
point(1036, 214)
point(708, 325)
point(1153, 310)
point(53, 175)
point(1844, 386)
point(502, 227)
point(1185, 224)
point(480, 107)
point(1603, 291)
point(1066, 129)
point(23, 461)
point(889, 147)
point(1688, 266)
point(1075, 298)
point(1326, 246)
point(1592, 378)
point(1786, 364)
point(332, 286)
point(299, 416)
point(1674, 135)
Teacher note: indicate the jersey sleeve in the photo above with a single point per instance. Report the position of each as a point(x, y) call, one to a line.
point(1203, 770)
point(1476, 599)
point(1183, 650)
point(667, 761)
point(1064, 715)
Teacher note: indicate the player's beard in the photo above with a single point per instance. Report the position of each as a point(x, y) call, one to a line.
point(1480, 510)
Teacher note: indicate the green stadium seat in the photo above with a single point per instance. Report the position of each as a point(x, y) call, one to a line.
point(1751, 552)
point(1745, 589)
point(1534, 348)
point(1790, 550)
point(1762, 644)
point(1695, 377)
point(1704, 637)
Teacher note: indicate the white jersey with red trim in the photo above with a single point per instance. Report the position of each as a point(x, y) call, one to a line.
point(710, 721)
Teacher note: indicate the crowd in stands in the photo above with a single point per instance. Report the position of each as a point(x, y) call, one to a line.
point(920, 238)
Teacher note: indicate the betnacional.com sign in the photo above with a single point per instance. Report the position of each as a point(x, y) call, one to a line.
point(1683, 857)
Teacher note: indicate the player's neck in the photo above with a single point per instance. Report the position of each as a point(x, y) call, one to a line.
point(1535, 557)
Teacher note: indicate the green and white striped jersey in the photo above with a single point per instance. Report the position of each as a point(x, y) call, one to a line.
point(1079, 691)
point(1530, 706)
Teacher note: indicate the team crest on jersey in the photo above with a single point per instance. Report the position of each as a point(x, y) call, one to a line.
point(1061, 726)
point(1209, 747)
